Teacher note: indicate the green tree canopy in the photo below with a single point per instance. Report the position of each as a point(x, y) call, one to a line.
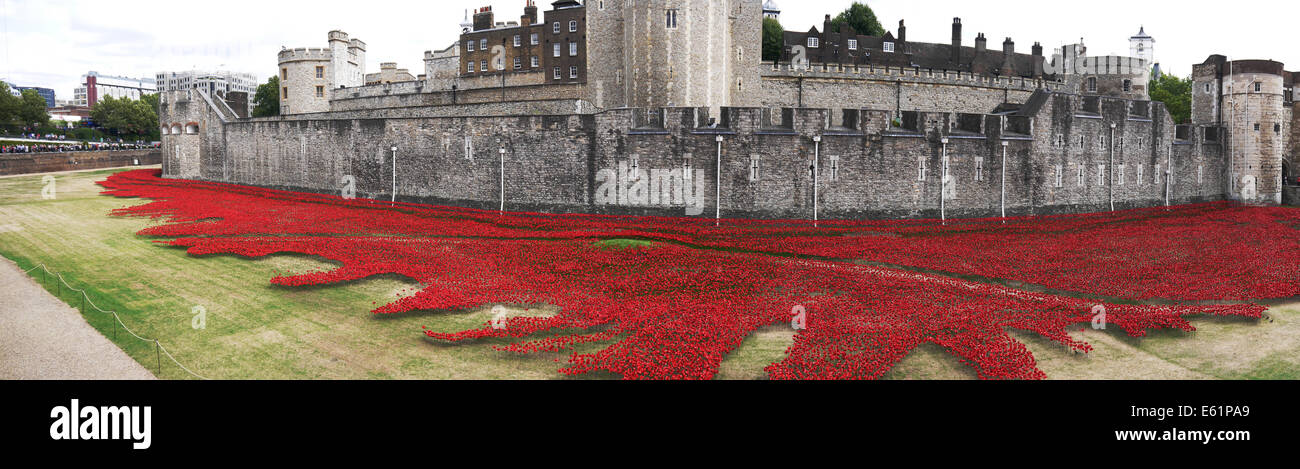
point(32, 111)
point(127, 118)
point(1176, 93)
point(10, 106)
point(266, 103)
point(861, 18)
point(773, 39)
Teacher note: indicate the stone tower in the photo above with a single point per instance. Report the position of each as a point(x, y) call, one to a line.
point(688, 52)
point(1245, 98)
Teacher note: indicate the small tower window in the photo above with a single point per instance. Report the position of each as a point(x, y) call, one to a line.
point(670, 18)
point(1092, 84)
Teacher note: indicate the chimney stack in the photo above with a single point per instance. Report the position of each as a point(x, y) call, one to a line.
point(981, 44)
point(956, 41)
point(902, 32)
point(1008, 50)
point(1038, 60)
point(530, 14)
point(483, 19)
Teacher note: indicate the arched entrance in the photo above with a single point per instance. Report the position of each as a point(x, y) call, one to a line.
point(1248, 193)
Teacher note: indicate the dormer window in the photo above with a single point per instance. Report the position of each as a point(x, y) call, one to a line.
point(853, 44)
point(813, 42)
point(889, 47)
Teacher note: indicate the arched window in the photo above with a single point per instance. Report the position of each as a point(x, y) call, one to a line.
point(191, 128)
point(165, 130)
point(176, 129)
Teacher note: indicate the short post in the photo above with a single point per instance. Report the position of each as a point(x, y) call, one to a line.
point(157, 353)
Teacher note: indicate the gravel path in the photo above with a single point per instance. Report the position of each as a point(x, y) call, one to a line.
point(44, 338)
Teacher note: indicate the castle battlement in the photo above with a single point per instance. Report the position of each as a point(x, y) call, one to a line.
point(909, 74)
point(304, 53)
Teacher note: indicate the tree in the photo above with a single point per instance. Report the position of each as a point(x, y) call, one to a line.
point(10, 106)
point(861, 18)
point(1176, 93)
point(127, 118)
point(267, 99)
point(31, 111)
point(773, 39)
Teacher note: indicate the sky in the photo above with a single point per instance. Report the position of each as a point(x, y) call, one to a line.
point(52, 43)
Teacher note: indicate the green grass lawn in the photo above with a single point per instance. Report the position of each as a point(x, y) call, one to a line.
point(258, 331)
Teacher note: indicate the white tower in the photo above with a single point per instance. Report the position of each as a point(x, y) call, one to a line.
point(771, 10)
point(466, 26)
point(1142, 46)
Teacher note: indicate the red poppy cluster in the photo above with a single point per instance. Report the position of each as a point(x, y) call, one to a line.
point(676, 309)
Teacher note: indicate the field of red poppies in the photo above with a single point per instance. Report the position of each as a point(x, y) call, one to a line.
point(677, 308)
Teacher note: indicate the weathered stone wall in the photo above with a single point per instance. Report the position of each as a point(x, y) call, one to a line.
point(636, 161)
point(11, 164)
point(836, 87)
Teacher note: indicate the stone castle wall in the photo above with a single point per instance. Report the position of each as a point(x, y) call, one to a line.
point(636, 161)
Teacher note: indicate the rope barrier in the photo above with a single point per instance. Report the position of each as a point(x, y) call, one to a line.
point(159, 350)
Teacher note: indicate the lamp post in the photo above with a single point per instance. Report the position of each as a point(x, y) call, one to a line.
point(943, 184)
point(1111, 175)
point(502, 152)
point(394, 199)
point(817, 167)
point(717, 184)
point(1004, 181)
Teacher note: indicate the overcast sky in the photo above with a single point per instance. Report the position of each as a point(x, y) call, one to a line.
point(52, 43)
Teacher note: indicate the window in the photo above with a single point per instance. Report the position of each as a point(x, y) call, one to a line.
point(573, 71)
point(1081, 174)
point(469, 67)
point(532, 40)
point(1258, 87)
point(1128, 86)
point(889, 47)
point(1101, 142)
point(320, 91)
point(1277, 128)
point(1059, 175)
point(482, 44)
point(853, 44)
point(1257, 126)
point(1200, 170)
point(284, 74)
point(671, 18)
point(1101, 175)
point(979, 168)
point(1119, 174)
point(813, 42)
point(533, 64)
point(557, 73)
point(469, 46)
point(519, 63)
point(1092, 84)
point(556, 49)
point(573, 49)
point(555, 28)
point(921, 169)
point(1155, 175)
point(573, 26)
point(1207, 88)
point(1059, 142)
point(469, 147)
point(285, 92)
point(1140, 178)
point(1080, 142)
point(518, 40)
point(753, 168)
point(482, 66)
point(835, 168)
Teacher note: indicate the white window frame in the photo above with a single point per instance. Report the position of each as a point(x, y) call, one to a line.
point(469, 45)
point(979, 168)
point(753, 168)
point(853, 44)
point(573, 49)
point(519, 63)
point(1060, 175)
point(1101, 175)
point(1082, 177)
point(573, 72)
point(533, 39)
point(1155, 175)
point(482, 45)
point(921, 169)
point(835, 167)
point(557, 73)
point(519, 40)
point(888, 47)
point(555, 28)
point(555, 50)
point(482, 66)
point(573, 26)
point(534, 62)
point(1119, 174)
point(813, 42)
